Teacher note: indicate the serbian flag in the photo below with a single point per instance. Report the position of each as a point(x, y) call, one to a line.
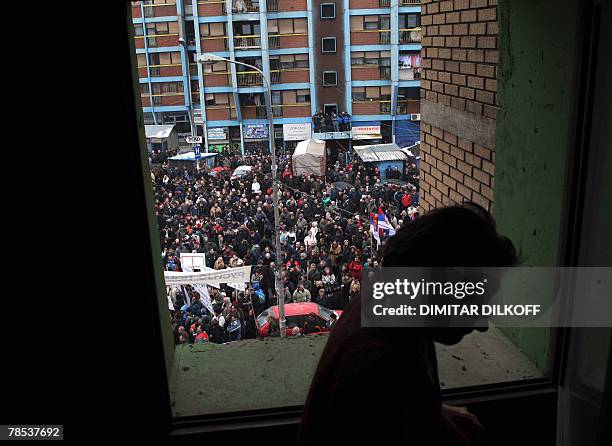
point(383, 223)
point(374, 227)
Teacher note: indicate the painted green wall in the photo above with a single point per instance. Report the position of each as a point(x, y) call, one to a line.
point(535, 86)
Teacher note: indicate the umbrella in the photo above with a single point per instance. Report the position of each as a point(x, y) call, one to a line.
point(341, 185)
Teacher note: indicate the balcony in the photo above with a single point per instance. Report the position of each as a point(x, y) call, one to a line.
point(384, 3)
point(248, 78)
point(247, 42)
point(410, 35)
point(385, 73)
point(245, 6)
point(410, 2)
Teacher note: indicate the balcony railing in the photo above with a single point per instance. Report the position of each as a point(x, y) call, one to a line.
point(272, 5)
point(248, 78)
point(385, 72)
point(244, 6)
point(275, 76)
point(385, 106)
point(247, 41)
point(384, 3)
point(384, 36)
point(410, 35)
point(409, 2)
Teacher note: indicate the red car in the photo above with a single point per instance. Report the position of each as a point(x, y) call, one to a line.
point(295, 315)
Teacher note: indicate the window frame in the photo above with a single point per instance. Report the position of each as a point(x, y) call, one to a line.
point(536, 388)
point(321, 11)
point(329, 72)
point(323, 45)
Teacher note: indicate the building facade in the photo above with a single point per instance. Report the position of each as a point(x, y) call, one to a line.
point(358, 56)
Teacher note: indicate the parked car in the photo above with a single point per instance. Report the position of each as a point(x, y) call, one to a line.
point(296, 315)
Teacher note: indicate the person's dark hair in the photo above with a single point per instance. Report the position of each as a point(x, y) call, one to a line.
point(462, 235)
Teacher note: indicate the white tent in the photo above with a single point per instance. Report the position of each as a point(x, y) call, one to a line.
point(309, 158)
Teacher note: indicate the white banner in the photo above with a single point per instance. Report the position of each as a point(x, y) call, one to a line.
point(202, 290)
point(297, 132)
point(366, 130)
point(240, 274)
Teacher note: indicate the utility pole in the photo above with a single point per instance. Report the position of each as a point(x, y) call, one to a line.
point(278, 284)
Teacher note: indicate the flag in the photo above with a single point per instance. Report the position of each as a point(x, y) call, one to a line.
point(374, 228)
point(383, 223)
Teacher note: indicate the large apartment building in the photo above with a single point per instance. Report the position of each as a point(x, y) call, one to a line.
point(358, 56)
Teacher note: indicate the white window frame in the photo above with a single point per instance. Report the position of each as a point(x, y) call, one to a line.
point(328, 72)
point(323, 45)
point(330, 105)
point(328, 4)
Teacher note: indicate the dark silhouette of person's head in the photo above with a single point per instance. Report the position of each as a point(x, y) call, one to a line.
point(455, 236)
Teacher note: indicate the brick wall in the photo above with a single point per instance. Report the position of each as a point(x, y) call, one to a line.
point(458, 101)
point(291, 5)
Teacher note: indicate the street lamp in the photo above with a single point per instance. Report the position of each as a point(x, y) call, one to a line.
point(278, 286)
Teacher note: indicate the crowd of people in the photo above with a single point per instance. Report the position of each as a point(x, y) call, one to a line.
point(331, 122)
point(325, 236)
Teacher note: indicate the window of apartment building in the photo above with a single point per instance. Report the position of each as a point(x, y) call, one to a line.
point(172, 87)
point(289, 61)
point(287, 26)
point(212, 99)
point(328, 10)
point(277, 98)
point(212, 29)
point(408, 93)
point(380, 58)
point(296, 96)
point(328, 45)
point(171, 58)
point(370, 22)
point(217, 67)
point(372, 93)
point(330, 78)
point(409, 21)
point(141, 59)
point(330, 108)
point(247, 29)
